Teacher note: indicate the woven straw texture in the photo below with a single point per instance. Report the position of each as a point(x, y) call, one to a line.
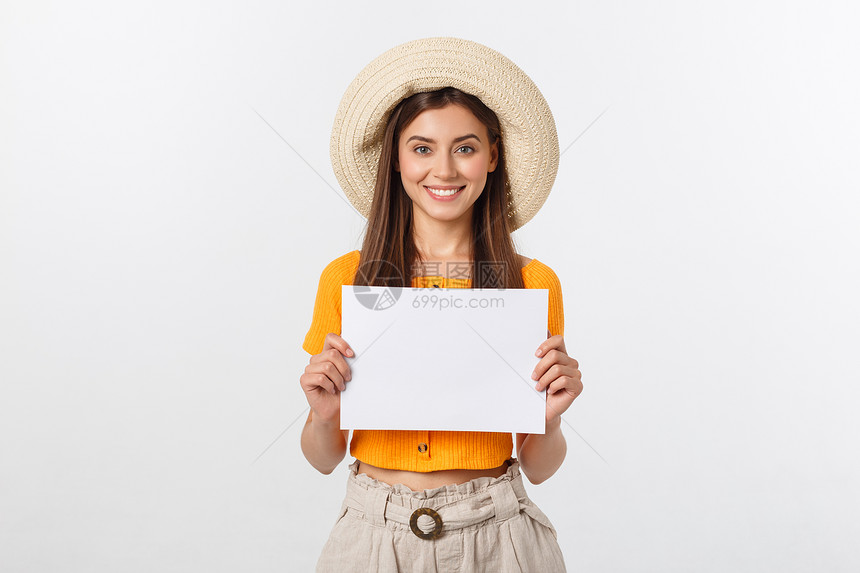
point(528, 128)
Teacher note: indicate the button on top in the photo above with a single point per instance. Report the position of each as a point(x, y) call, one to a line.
point(422, 447)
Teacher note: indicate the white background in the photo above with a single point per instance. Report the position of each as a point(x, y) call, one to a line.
point(160, 247)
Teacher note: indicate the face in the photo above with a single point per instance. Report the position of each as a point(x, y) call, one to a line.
point(444, 156)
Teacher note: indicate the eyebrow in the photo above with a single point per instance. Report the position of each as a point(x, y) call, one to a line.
point(456, 140)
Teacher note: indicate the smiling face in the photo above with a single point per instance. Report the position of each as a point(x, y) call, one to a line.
point(444, 156)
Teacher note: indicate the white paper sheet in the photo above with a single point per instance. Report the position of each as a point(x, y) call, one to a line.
point(443, 359)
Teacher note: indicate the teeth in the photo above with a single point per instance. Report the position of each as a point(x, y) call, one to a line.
point(443, 192)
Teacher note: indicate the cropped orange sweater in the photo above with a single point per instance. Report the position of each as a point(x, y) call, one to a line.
point(422, 451)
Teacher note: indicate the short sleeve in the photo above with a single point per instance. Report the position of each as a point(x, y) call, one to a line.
point(539, 275)
point(327, 307)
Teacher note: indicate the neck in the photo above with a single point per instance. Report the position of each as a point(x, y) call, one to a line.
point(443, 240)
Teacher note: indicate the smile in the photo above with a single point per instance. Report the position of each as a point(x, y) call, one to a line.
point(444, 192)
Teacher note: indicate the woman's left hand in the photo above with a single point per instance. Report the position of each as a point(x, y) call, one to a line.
point(559, 374)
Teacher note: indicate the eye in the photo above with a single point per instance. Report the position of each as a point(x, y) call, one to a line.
point(465, 149)
point(422, 150)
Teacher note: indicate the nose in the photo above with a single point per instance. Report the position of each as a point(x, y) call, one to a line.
point(445, 166)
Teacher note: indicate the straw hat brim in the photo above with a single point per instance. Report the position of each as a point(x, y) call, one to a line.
point(528, 129)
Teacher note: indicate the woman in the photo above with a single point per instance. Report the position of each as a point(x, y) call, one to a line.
point(459, 149)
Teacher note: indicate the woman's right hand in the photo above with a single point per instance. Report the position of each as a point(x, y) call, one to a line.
point(325, 378)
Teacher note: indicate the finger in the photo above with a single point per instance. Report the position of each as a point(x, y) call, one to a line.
point(552, 358)
point(326, 384)
point(314, 381)
point(562, 383)
point(333, 340)
point(555, 372)
point(330, 371)
point(334, 356)
point(556, 341)
point(564, 393)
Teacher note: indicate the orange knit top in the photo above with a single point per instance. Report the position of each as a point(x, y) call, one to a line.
point(422, 451)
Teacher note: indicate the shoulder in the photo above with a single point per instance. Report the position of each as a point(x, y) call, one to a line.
point(537, 274)
point(342, 269)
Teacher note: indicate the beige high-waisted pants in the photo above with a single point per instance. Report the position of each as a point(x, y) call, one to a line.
point(487, 524)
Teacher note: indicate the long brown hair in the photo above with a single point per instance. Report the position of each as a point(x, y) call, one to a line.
point(388, 253)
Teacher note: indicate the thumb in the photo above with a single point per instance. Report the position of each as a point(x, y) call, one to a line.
point(332, 340)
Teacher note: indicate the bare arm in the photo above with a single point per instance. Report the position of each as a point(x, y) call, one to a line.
point(324, 443)
point(540, 455)
point(325, 377)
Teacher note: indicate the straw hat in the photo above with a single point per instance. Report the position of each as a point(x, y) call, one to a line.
point(528, 129)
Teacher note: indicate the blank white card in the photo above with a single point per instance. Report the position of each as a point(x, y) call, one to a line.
point(443, 359)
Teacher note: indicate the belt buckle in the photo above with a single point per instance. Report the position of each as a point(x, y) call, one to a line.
point(413, 523)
